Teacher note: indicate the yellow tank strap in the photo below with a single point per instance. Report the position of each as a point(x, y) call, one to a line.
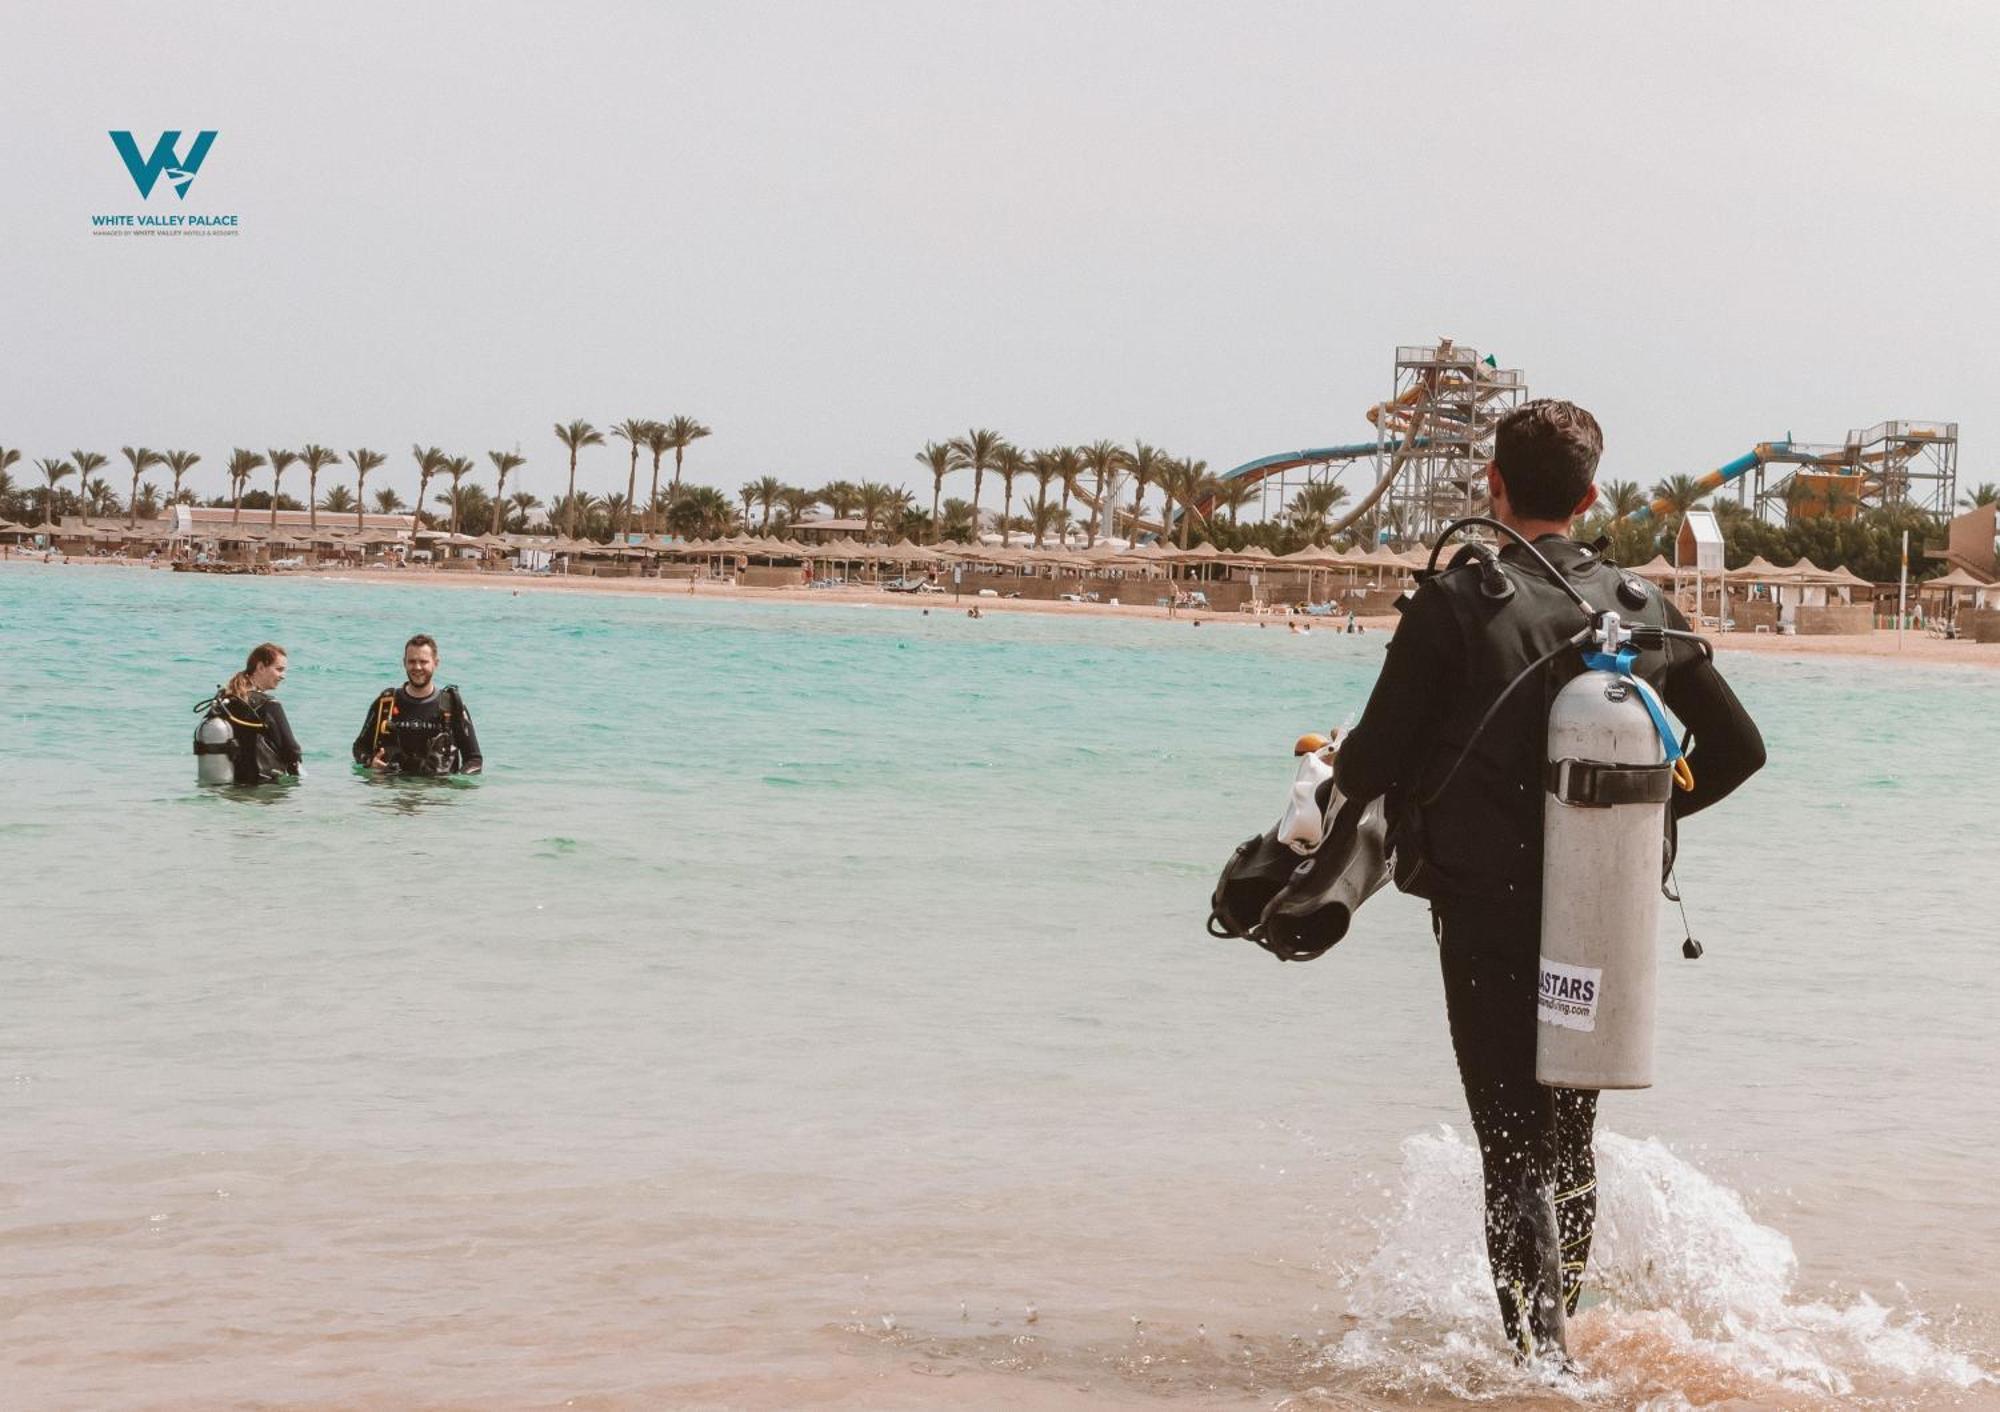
point(230, 716)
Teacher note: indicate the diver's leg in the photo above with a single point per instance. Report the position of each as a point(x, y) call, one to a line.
point(1575, 1185)
point(1489, 954)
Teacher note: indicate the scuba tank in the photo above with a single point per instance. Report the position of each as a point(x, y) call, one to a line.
point(1612, 766)
point(214, 745)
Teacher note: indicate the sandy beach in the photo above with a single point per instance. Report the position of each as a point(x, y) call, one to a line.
point(1914, 647)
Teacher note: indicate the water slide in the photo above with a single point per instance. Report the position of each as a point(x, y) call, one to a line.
point(1722, 475)
point(1249, 473)
point(1828, 460)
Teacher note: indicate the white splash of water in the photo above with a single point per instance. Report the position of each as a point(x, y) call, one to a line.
point(1700, 1305)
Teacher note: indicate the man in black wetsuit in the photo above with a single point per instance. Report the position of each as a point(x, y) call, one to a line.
point(1471, 841)
point(419, 728)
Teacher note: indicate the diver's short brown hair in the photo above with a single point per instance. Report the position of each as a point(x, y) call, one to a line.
point(422, 639)
point(1546, 451)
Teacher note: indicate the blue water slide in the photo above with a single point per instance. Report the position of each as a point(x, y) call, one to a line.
point(1722, 475)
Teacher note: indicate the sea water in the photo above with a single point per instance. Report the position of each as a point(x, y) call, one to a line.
point(810, 1004)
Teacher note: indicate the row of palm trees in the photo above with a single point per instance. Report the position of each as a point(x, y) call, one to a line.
point(432, 462)
point(638, 433)
point(1182, 481)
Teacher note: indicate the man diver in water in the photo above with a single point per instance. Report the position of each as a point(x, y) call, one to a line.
point(419, 728)
point(1470, 842)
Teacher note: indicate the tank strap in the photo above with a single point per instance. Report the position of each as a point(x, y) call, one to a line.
point(1590, 784)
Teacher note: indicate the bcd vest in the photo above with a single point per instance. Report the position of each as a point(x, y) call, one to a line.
point(1482, 836)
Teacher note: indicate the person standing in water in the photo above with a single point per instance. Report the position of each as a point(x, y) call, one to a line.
point(419, 728)
point(1468, 836)
point(263, 748)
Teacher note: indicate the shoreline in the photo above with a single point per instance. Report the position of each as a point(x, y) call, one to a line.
point(1917, 649)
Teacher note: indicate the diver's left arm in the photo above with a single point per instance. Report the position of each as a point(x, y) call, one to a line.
point(284, 744)
point(471, 762)
point(1728, 748)
point(1396, 728)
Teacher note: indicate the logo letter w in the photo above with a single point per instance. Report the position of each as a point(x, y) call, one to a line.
point(165, 161)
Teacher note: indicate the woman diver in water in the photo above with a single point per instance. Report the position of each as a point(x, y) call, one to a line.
point(257, 739)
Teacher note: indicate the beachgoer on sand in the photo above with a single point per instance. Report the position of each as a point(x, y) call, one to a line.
point(419, 728)
point(1466, 816)
point(244, 737)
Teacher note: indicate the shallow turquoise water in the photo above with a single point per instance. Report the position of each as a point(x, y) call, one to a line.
point(796, 968)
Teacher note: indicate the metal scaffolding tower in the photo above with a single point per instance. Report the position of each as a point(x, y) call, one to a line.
point(1890, 463)
point(1436, 434)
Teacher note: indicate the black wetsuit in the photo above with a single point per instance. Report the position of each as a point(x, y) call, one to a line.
point(1480, 843)
point(420, 735)
point(265, 747)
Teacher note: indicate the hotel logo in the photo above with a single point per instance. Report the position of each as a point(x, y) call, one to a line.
point(166, 161)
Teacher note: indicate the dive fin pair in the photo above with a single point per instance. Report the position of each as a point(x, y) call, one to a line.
point(1294, 889)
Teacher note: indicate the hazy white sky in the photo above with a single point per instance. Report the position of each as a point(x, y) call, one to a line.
point(835, 231)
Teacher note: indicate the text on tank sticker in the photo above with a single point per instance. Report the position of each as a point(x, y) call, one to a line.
point(1567, 995)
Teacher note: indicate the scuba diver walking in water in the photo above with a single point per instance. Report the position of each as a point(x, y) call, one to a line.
point(419, 728)
point(244, 737)
point(1460, 755)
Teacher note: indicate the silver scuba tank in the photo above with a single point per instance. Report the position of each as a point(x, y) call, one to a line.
point(1608, 781)
point(215, 750)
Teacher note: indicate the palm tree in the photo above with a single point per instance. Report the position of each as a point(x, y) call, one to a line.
point(280, 462)
point(242, 463)
point(976, 451)
point(575, 436)
point(10, 457)
point(1985, 493)
point(1314, 505)
point(387, 501)
point(1045, 517)
point(882, 504)
point(316, 458)
point(748, 495)
point(1144, 462)
point(840, 497)
point(957, 518)
point(633, 431)
point(797, 502)
point(1069, 470)
point(503, 462)
point(1621, 497)
point(683, 432)
point(53, 469)
point(1680, 492)
point(657, 442)
point(1008, 462)
point(99, 498)
point(141, 459)
point(766, 491)
point(178, 464)
point(1104, 460)
point(430, 462)
point(1042, 470)
point(339, 500)
point(1233, 495)
point(699, 510)
point(85, 463)
point(523, 505)
point(458, 468)
point(1185, 481)
point(937, 459)
point(363, 461)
